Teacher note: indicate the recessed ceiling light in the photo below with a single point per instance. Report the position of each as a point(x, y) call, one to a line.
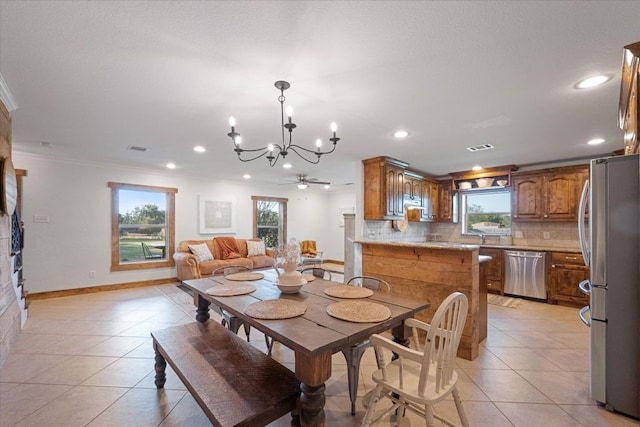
point(596, 141)
point(287, 165)
point(199, 149)
point(400, 134)
point(476, 168)
point(593, 81)
point(246, 176)
point(171, 165)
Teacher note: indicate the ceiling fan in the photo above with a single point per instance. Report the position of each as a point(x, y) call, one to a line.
point(303, 182)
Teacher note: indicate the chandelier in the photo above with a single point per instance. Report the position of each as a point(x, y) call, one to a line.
point(275, 151)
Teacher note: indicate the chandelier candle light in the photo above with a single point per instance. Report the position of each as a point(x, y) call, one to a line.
point(286, 147)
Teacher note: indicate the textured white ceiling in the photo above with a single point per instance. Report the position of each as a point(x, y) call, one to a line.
point(92, 78)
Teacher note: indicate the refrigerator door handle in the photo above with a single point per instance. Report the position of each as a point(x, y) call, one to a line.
point(582, 231)
point(583, 315)
point(585, 287)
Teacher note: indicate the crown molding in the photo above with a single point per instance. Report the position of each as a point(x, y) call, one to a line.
point(6, 97)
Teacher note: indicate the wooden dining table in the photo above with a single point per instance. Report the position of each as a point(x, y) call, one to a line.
point(313, 336)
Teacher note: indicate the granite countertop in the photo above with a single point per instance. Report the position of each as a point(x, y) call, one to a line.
point(427, 245)
point(467, 247)
point(532, 248)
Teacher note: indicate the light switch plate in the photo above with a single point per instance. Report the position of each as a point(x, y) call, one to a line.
point(546, 235)
point(41, 218)
point(518, 234)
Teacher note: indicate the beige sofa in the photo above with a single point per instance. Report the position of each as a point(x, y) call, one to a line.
point(190, 267)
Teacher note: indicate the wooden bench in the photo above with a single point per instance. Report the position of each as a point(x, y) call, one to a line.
point(234, 383)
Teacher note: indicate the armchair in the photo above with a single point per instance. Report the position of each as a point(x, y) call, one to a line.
point(309, 254)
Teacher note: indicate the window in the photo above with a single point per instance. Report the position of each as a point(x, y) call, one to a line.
point(142, 226)
point(270, 220)
point(486, 212)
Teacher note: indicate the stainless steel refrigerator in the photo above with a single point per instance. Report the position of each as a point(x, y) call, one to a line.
point(610, 243)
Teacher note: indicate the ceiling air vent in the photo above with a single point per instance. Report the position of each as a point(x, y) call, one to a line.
point(480, 147)
point(136, 148)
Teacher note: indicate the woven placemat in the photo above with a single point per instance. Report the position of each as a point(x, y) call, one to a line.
point(231, 290)
point(359, 311)
point(308, 277)
point(245, 275)
point(273, 309)
point(346, 291)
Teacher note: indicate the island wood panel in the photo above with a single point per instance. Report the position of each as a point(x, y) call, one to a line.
point(431, 274)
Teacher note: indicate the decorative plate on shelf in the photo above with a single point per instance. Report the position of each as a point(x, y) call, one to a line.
point(8, 187)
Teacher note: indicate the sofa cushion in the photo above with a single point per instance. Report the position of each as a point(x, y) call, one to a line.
point(201, 251)
point(207, 267)
point(255, 248)
point(262, 261)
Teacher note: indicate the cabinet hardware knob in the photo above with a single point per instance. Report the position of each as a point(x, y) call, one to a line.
point(553, 266)
point(545, 215)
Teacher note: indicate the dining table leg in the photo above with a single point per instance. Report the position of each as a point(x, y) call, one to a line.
point(313, 372)
point(202, 307)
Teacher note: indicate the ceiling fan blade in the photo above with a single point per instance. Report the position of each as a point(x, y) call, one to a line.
point(318, 182)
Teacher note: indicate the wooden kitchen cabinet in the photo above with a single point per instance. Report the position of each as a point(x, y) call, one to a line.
point(548, 195)
point(527, 197)
point(412, 188)
point(445, 202)
point(494, 269)
point(559, 198)
point(566, 272)
point(628, 109)
point(429, 202)
point(383, 188)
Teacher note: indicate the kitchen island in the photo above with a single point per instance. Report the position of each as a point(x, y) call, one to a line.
point(431, 271)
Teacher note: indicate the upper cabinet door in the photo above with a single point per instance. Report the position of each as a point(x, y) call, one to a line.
point(445, 202)
point(527, 197)
point(395, 191)
point(560, 196)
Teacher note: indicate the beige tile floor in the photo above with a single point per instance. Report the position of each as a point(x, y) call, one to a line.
point(87, 360)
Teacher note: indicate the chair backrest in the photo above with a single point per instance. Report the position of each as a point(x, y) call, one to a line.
point(443, 338)
point(318, 272)
point(370, 282)
point(231, 269)
point(147, 252)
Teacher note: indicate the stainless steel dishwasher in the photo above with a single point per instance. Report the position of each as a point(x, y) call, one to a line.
point(525, 274)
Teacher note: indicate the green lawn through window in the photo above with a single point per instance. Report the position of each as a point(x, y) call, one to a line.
point(131, 248)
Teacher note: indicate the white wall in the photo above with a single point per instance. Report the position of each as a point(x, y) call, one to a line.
point(60, 254)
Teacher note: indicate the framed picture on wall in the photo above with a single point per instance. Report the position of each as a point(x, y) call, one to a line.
point(216, 216)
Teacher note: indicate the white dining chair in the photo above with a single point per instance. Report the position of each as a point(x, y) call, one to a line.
point(419, 378)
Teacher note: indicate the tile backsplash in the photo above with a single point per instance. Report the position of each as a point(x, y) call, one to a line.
point(383, 230)
point(552, 234)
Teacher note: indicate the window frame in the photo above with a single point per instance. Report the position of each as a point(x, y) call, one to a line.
point(283, 201)
point(463, 210)
point(116, 265)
